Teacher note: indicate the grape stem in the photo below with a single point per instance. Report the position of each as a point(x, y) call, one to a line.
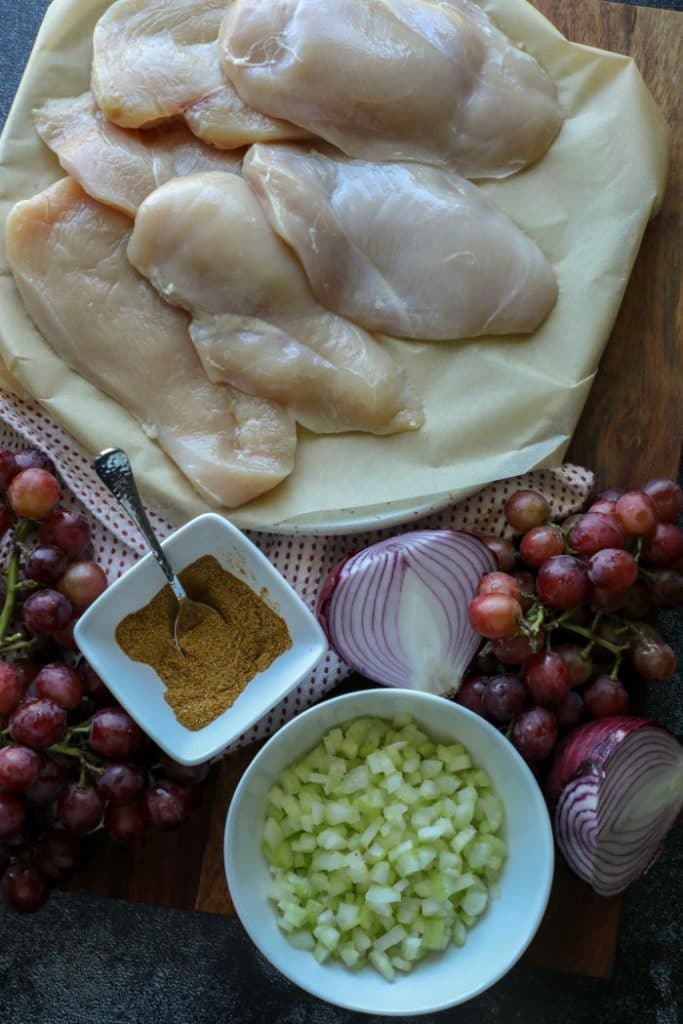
point(613, 648)
point(20, 531)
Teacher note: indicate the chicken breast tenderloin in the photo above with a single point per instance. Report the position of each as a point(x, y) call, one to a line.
point(426, 80)
point(159, 59)
point(405, 249)
point(205, 243)
point(118, 166)
point(68, 256)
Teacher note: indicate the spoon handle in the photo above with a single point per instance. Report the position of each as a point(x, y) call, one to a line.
point(115, 471)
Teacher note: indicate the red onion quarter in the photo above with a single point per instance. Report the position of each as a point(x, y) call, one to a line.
point(617, 786)
point(397, 612)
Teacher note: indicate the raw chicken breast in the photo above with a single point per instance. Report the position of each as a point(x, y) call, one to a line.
point(68, 256)
point(120, 167)
point(405, 249)
point(426, 80)
point(205, 243)
point(158, 59)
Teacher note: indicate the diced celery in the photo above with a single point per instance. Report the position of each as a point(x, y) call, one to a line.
point(302, 940)
point(275, 796)
point(475, 902)
point(327, 935)
point(477, 853)
point(402, 719)
point(398, 850)
point(407, 863)
point(321, 953)
point(381, 873)
point(393, 782)
point(408, 910)
point(331, 861)
point(381, 962)
point(356, 780)
point(411, 947)
point(435, 933)
point(380, 763)
point(361, 940)
point(441, 827)
point(462, 838)
point(400, 964)
point(333, 740)
point(411, 760)
point(395, 812)
point(429, 790)
point(347, 916)
point(464, 882)
point(358, 870)
point(294, 915)
point(290, 806)
point(304, 844)
point(390, 938)
point(459, 933)
point(272, 833)
point(331, 839)
point(425, 856)
point(350, 956)
point(382, 894)
point(431, 767)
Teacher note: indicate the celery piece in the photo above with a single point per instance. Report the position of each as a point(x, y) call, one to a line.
point(350, 956)
point(328, 935)
point(381, 962)
point(302, 940)
point(347, 916)
point(390, 938)
point(434, 933)
point(361, 941)
point(321, 953)
point(381, 895)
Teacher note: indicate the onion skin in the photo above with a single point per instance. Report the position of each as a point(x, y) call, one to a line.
point(587, 749)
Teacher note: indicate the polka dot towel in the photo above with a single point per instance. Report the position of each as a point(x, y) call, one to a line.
point(303, 560)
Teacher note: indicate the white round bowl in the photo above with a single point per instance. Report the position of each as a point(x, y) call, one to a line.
point(519, 897)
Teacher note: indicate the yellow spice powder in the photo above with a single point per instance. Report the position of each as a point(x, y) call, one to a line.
point(220, 657)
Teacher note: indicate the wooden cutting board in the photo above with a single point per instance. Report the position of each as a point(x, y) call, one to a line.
point(631, 430)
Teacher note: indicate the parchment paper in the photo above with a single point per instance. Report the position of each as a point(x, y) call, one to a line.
point(495, 407)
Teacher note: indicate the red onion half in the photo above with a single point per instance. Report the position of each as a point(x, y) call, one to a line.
point(397, 612)
point(617, 785)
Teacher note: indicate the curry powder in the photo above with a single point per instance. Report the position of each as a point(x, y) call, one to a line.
point(220, 657)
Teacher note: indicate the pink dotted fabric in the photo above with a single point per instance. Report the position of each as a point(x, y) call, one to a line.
point(303, 560)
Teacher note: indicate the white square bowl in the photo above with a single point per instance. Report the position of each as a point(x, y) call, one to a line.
point(139, 689)
point(519, 897)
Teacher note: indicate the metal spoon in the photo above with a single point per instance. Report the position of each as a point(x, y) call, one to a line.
point(114, 470)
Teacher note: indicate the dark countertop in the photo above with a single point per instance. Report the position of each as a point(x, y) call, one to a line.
point(90, 961)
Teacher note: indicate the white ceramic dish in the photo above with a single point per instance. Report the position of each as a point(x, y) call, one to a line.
point(138, 688)
point(496, 942)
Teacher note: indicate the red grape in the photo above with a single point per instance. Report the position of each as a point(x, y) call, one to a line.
point(69, 531)
point(6, 519)
point(504, 698)
point(59, 854)
point(19, 767)
point(610, 494)
point(608, 601)
point(52, 779)
point(37, 723)
point(547, 678)
point(526, 581)
point(45, 564)
point(562, 582)
point(121, 783)
point(654, 660)
point(80, 808)
point(612, 569)
point(97, 691)
point(194, 774)
point(570, 711)
point(667, 498)
point(33, 493)
point(24, 888)
point(12, 815)
point(540, 544)
point(504, 551)
point(31, 458)
point(8, 468)
point(61, 684)
point(666, 589)
point(46, 611)
point(534, 733)
point(637, 513)
point(65, 637)
point(11, 687)
point(526, 509)
point(495, 615)
point(637, 602)
point(593, 532)
point(167, 804)
point(499, 583)
point(604, 507)
point(515, 650)
point(665, 545)
point(471, 694)
point(27, 669)
point(82, 583)
point(579, 666)
point(604, 697)
point(113, 733)
point(125, 822)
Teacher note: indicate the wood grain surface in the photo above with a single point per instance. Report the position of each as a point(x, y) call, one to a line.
point(631, 429)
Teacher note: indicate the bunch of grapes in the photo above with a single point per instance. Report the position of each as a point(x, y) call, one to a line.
point(71, 760)
point(569, 618)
